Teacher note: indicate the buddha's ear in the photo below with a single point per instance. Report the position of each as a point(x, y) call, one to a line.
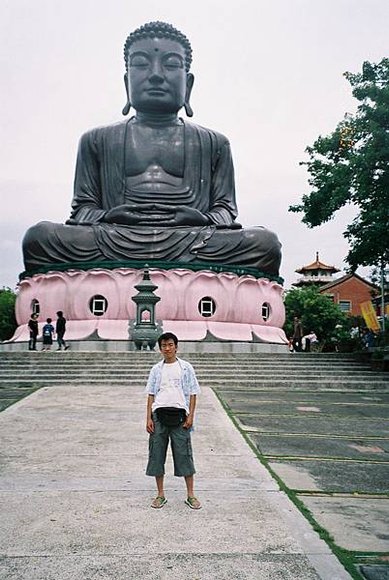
point(127, 106)
point(189, 87)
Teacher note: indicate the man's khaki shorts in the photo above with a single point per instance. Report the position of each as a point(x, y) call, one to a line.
point(181, 446)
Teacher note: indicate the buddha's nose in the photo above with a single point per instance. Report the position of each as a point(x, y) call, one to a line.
point(156, 74)
point(156, 79)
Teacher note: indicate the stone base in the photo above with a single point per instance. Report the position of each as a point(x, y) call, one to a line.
point(246, 309)
point(222, 347)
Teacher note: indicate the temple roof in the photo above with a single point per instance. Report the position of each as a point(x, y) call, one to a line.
point(348, 277)
point(317, 265)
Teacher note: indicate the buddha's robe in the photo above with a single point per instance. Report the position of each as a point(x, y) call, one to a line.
point(101, 184)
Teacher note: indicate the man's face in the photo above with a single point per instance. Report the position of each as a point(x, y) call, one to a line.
point(157, 79)
point(168, 350)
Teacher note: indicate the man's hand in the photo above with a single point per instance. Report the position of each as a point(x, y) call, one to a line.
point(188, 423)
point(150, 426)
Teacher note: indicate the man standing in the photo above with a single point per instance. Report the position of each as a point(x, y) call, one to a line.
point(33, 326)
point(60, 329)
point(297, 334)
point(172, 389)
point(47, 334)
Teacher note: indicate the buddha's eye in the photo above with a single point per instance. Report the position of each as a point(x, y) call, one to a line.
point(139, 60)
point(173, 62)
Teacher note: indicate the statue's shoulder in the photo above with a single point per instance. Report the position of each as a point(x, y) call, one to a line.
point(218, 138)
point(104, 132)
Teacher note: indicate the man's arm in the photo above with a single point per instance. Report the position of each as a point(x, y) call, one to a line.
point(190, 418)
point(149, 418)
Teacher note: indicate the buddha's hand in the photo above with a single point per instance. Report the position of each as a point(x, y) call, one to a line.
point(127, 214)
point(155, 214)
point(181, 215)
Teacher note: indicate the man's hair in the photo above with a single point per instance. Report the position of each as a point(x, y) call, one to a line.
point(167, 336)
point(60, 313)
point(159, 30)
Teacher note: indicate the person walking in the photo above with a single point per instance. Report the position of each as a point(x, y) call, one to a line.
point(172, 390)
point(34, 331)
point(60, 329)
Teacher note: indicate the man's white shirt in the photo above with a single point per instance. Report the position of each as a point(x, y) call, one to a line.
point(170, 393)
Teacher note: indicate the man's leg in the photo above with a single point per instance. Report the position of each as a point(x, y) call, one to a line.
point(189, 480)
point(183, 462)
point(159, 480)
point(297, 344)
point(158, 443)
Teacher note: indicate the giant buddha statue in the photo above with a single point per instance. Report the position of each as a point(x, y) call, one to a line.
point(154, 187)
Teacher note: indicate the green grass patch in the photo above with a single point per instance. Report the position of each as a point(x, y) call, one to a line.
point(347, 558)
point(17, 395)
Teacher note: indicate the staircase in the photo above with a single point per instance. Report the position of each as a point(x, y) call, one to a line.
point(256, 371)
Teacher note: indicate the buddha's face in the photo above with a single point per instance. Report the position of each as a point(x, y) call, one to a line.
point(156, 77)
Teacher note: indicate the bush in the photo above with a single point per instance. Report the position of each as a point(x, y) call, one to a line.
point(8, 322)
point(318, 313)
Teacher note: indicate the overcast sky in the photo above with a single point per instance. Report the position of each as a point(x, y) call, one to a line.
point(268, 75)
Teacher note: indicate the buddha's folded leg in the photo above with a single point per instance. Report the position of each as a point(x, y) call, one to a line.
point(255, 247)
point(50, 243)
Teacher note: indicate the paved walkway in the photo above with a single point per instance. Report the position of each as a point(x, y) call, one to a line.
point(74, 500)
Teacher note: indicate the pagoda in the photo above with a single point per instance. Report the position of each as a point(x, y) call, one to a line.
point(316, 273)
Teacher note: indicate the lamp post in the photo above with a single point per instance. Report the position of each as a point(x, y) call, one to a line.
point(144, 331)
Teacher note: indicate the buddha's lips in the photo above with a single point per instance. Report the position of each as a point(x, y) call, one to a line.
point(156, 91)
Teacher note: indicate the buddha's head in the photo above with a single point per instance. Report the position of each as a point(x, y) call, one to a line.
point(157, 79)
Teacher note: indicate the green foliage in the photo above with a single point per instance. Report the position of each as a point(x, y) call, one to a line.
point(317, 313)
point(352, 166)
point(383, 338)
point(7, 313)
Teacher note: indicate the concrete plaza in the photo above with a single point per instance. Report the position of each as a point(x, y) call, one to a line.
point(75, 500)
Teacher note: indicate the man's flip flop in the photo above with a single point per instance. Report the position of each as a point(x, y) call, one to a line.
point(158, 502)
point(193, 503)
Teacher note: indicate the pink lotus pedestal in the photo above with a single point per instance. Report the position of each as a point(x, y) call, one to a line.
point(245, 308)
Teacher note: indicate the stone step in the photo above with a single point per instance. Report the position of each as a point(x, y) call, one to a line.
point(47, 363)
point(147, 355)
point(254, 385)
point(235, 371)
point(48, 358)
point(201, 373)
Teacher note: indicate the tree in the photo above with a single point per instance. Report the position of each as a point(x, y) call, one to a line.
point(8, 322)
point(352, 166)
point(317, 313)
